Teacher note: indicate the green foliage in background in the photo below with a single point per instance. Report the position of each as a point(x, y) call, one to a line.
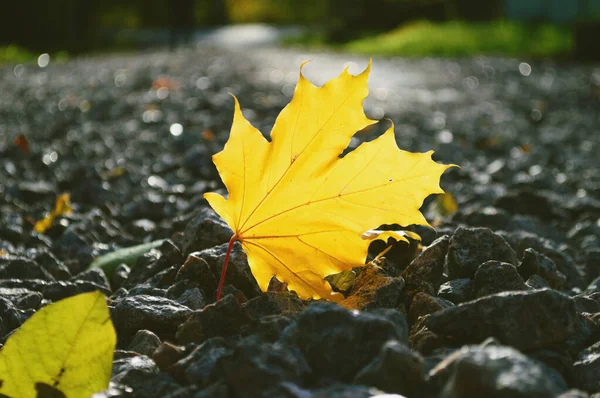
point(457, 38)
point(15, 54)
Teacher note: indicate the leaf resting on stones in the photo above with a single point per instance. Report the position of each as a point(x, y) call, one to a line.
point(67, 346)
point(297, 207)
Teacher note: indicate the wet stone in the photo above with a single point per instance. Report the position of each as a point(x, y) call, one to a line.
point(471, 247)
point(496, 277)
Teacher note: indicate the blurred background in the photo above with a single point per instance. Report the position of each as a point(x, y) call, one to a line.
point(544, 28)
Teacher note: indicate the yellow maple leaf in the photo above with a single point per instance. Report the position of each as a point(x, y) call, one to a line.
point(61, 207)
point(66, 347)
point(297, 207)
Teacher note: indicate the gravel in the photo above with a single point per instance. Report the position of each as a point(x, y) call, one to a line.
point(503, 300)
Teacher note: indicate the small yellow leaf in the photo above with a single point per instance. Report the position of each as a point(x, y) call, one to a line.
point(445, 205)
point(398, 235)
point(3, 253)
point(62, 207)
point(297, 207)
point(66, 346)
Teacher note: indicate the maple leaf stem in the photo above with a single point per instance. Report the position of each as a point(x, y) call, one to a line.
point(224, 270)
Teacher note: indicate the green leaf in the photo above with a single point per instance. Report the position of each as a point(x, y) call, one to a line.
point(129, 255)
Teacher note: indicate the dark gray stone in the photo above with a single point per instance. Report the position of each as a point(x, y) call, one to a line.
point(144, 342)
point(495, 277)
point(425, 304)
point(565, 264)
point(273, 303)
point(10, 317)
point(141, 375)
point(23, 299)
point(586, 304)
point(395, 370)
point(94, 275)
point(471, 247)
point(525, 320)
point(157, 314)
point(593, 287)
point(537, 282)
point(24, 269)
point(198, 367)
point(338, 343)
point(238, 270)
point(251, 368)
point(457, 290)
point(223, 318)
point(537, 263)
point(55, 291)
point(195, 272)
point(53, 265)
point(586, 369)
point(422, 339)
point(192, 298)
point(495, 372)
point(428, 266)
point(205, 230)
point(120, 276)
